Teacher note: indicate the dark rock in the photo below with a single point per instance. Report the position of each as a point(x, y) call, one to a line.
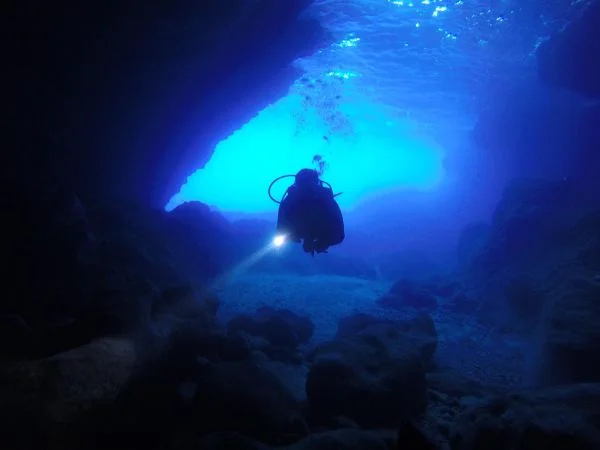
point(408, 294)
point(462, 303)
point(81, 273)
point(571, 58)
point(525, 300)
point(471, 240)
point(182, 301)
point(421, 330)
point(348, 439)
point(16, 337)
point(51, 238)
point(51, 394)
point(284, 355)
point(549, 208)
point(569, 336)
point(246, 398)
point(292, 376)
point(282, 328)
point(224, 441)
point(561, 418)
point(375, 377)
point(412, 437)
point(178, 63)
point(517, 121)
point(456, 385)
point(350, 326)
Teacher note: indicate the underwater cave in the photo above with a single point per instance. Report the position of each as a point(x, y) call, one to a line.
point(432, 282)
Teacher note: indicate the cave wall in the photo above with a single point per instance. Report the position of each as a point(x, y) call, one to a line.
point(548, 127)
point(571, 58)
point(127, 98)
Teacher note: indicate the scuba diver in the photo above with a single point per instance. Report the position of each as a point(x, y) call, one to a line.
point(309, 213)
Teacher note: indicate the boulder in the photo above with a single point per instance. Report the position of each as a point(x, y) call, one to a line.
point(83, 269)
point(525, 301)
point(375, 377)
point(409, 294)
point(281, 327)
point(246, 398)
point(569, 337)
point(332, 440)
point(50, 396)
point(561, 418)
point(347, 439)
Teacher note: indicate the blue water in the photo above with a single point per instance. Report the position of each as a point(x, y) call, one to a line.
point(396, 93)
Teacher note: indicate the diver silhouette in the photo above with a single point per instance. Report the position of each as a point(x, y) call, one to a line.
point(309, 213)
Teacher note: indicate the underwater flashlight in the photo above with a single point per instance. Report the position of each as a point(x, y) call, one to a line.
point(279, 240)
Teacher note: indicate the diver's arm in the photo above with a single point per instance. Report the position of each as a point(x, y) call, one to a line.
point(332, 231)
point(336, 230)
point(285, 220)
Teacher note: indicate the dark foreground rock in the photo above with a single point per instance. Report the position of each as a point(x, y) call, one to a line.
point(561, 418)
point(334, 440)
point(246, 398)
point(276, 332)
point(178, 63)
point(52, 394)
point(282, 328)
point(571, 58)
point(85, 269)
point(569, 336)
point(375, 376)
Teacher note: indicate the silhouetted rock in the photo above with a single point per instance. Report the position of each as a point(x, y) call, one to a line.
point(456, 385)
point(569, 337)
point(347, 439)
point(531, 235)
point(562, 418)
point(50, 395)
point(524, 300)
point(571, 58)
point(409, 294)
point(182, 301)
point(530, 215)
point(282, 328)
point(410, 436)
point(350, 326)
point(178, 64)
point(462, 303)
point(471, 240)
point(246, 398)
point(222, 441)
point(376, 376)
point(81, 271)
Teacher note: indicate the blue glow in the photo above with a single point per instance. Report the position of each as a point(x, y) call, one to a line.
point(367, 151)
point(402, 77)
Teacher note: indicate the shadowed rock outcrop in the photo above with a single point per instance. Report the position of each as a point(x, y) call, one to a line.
point(127, 98)
point(571, 58)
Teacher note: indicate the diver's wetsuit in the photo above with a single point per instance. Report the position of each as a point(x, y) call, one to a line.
point(310, 213)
